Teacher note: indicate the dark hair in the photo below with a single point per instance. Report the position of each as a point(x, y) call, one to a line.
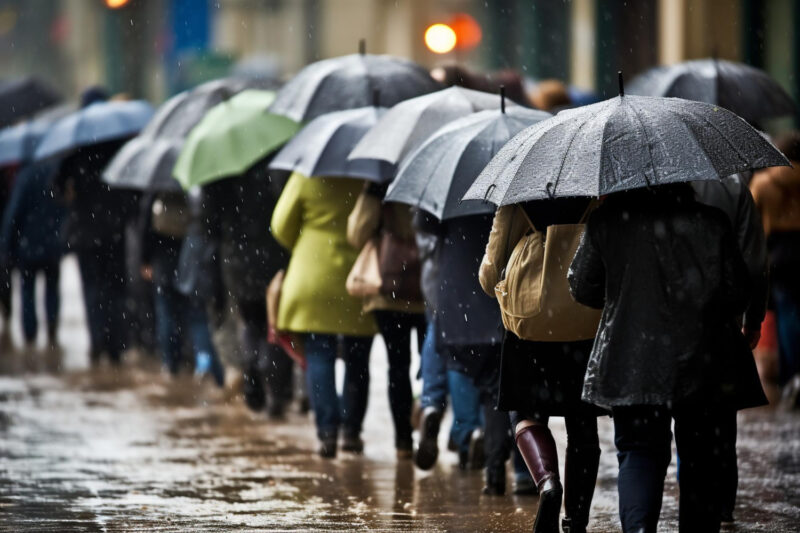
point(92, 95)
point(789, 143)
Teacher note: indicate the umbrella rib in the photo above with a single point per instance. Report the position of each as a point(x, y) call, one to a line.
point(700, 115)
point(649, 147)
point(566, 152)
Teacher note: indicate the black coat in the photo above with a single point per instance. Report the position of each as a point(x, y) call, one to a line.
point(465, 315)
point(238, 212)
point(668, 274)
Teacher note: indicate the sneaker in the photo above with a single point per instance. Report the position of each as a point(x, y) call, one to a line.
point(428, 449)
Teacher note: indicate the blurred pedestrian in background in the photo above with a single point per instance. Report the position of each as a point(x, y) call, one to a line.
point(310, 220)
point(30, 241)
point(237, 213)
point(776, 192)
point(398, 308)
point(6, 183)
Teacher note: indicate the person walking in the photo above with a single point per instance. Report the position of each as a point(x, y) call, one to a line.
point(776, 192)
point(540, 380)
point(400, 311)
point(671, 281)
point(30, 240)
point(237, 214)
point(310, 220)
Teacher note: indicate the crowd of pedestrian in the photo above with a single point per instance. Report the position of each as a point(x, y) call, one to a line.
point(616, 259)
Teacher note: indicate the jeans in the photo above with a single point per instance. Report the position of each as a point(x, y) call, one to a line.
point(642, 436)
point(395, 327)
point(103, 280)
point(331, 412)
point(52, 273)
point(176, 316)
point(434, 373)
point(267, 369)
point(467, 412)
point(787, 317)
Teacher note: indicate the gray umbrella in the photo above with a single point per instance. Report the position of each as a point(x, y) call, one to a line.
point(322, 146)
point(18, 143)
point(437, 174)
point(349, 82)
point(623, 143)
point(146, 161)
point(747, 91)
point(405, 126)
point(23, 97)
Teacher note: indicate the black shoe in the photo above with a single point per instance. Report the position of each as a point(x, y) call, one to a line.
point(428, 449)
point(477, 456)
point(253, 392)
point(304, 405)
point(276, 410)
point(726, 518)
point(495, 481)
point(463, 460)
point(568, 527)
point(352, 444)
point(550, 494)
point(327, 448)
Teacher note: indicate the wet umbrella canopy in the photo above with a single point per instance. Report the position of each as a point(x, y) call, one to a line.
point(232, 136)
point(747, 91)
point(405, 126)
point(623, 143)
point(349, 82)
point(95, 124)
point(18, 143)
point(146, 161)
point(321, 148)
point(23, 97)
point(435, 177)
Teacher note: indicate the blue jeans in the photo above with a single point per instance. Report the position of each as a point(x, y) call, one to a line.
point(330, 411)
point(437, 380)
point(51, 273)
point(787, 317)
point(177, 315)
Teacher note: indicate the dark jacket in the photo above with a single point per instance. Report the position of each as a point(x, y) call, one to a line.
point(732, 196)
point(668, 274)
point(237, 213)
point(426, 234)
point(159, 251)
point(32, 220)
point(465, 315)
point(97, 213)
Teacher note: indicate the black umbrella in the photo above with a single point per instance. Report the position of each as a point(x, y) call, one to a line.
point(146, 161)
point(437, 174)
point(23, 97)
point(623, 143)
point(747, 91)
point(349, 82)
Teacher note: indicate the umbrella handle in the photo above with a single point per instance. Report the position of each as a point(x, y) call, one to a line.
point(621, 84)
point(362, 46)
point(489, 190)
point(503, 99)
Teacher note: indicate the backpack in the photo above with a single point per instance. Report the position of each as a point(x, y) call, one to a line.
point(535, 302)
point(170, 215)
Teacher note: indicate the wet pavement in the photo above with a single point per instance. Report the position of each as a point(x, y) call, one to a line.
point(100, 449)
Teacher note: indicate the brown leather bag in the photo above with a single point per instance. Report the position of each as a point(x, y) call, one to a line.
point(400, 268)
point(364, 278)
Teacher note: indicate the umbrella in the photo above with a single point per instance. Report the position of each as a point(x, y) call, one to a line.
point(23, 97)
point(98, 123)
point(232, 137)
point(322, 146)
point(435, 177)
point(18, 143)
point(349, 82)
point(146, 161)
point(622, 143)
point(747, 91)
point(405, 126)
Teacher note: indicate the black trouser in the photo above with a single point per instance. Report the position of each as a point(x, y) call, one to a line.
point(582, 460)
point(103, 279)
point(267, 369)
point(5, 294)
point(643, 438)
point(395, 328)
point(730, 468)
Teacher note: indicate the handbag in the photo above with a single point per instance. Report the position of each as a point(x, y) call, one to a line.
point(399, 268)
point(535, 302)
point(364, 278)
point(290, 344)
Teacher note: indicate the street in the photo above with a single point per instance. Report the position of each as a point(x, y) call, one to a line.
point(96, 449)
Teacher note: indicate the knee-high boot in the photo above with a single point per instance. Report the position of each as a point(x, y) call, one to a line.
point(538, 449)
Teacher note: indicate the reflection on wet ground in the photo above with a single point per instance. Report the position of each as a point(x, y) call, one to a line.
point(105, 450)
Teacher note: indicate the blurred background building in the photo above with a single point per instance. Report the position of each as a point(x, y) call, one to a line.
point(153, 48)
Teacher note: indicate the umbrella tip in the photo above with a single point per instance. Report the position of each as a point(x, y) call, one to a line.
point(362, 46)
point(621, 83)
point(502, 98)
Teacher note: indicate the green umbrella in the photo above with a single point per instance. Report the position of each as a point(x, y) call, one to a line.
point(231, 137)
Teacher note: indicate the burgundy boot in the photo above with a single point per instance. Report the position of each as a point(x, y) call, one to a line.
point(538, 449)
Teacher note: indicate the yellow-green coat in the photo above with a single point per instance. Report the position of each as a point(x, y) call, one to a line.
point(310, 220)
